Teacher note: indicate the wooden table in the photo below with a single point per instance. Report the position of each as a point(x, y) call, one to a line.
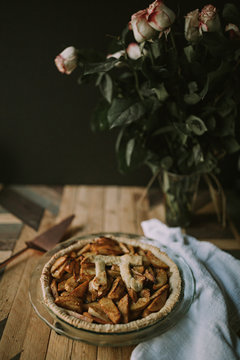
point(28, 210)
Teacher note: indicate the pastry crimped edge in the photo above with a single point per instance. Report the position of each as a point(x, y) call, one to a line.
point(174, 283)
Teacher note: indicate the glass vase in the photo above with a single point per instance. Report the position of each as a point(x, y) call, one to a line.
point(179, 194)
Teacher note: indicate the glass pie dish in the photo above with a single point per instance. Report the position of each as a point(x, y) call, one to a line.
point(112, 339)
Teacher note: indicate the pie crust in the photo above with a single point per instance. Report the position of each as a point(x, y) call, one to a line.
point(174, 281)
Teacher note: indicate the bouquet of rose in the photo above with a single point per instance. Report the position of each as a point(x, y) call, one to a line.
point(173, 93)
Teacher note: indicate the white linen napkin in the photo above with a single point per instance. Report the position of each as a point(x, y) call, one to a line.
point(208, 331)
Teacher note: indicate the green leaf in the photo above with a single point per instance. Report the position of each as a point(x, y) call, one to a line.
point(119, 139)
point(190, 53)
point(129, 151)
point(197, 154)
point(226, 107)
point(99, 79)
point(217, 77)
point(172, 60)
point(208, 165)
point(196, 125)
point(231, 145)
point(211, 123)
point(163, 130)
point(99, 117)
point(106, 87)
point(204, 91)
point(166, 162)
point(192, 99)
point(174, 110)
point(161, 92)
point(124, 111)
point(105, 66)
point(216, 43)
point(155, 49)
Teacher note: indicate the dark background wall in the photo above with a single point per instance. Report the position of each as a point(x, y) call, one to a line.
point(45, 136)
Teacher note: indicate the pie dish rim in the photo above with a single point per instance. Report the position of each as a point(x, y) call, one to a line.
point(174, 282)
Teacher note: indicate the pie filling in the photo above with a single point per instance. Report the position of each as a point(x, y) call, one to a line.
point(108, 285)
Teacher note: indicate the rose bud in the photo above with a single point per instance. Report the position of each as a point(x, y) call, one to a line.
point(134, 52)
point(160, 17)
point(209, 19)
point(116, 55)
point(192, 33)
point(141, 29)
point(66, 61)
point(234, 31)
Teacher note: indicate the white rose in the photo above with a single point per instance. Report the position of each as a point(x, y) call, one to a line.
point(160, 17)
point(134, 52)
point(66, 61)
point(192, 26)
point(141, 29)
point(209, 19)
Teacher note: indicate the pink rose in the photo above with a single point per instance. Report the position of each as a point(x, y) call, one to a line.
point(141, 29)
point(66, 61)
point(160, 17)
point(209, 19)
point(192, 26)
point(233, 30)
point(134, 52)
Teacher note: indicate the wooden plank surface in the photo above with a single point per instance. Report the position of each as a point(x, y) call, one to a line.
point(96, 209)
point(15, 302)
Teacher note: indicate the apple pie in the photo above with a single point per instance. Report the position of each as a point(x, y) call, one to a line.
point(110, 285)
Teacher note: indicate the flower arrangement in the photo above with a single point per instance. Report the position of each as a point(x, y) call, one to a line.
point(170, 84)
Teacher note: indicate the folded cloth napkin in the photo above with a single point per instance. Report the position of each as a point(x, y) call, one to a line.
point(208, 331)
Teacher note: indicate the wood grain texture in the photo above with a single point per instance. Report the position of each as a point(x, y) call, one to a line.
point(36, 338)
point(96, 209)
point(19, 316)
point(60, 347)
point(13, 274)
